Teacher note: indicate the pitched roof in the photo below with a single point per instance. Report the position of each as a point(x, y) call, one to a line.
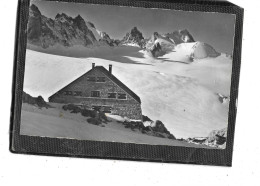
point(112, 77)
point(118, 82)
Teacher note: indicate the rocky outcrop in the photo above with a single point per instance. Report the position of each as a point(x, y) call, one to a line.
point(216, 138)
point(95, 117)
point(63, 30)
point(158, 45)
point(156, 50)
point(34, 24)
point(134, 37)
point(223, 99)
point(39, 101)
point(180, 36)
point(105, 38)
point(156, 128)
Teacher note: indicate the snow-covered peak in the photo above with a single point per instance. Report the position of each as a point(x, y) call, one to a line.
point(134, 38)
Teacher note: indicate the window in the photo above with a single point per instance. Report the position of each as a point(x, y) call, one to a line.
point(91, 79)
point(95, 94)
point(112, 95)
point(77, 93)
point(68, 93)
point(101, 79)
point(97, 108)
point(107, 109)
point(121, 96)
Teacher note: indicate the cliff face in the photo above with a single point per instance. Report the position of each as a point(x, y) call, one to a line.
point(158, 45)
point(216, 138)
point(134, 37)
point(63, 30)
point(180, 36)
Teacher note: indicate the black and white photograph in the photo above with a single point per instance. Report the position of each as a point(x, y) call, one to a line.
point(127, 74)
point(129, 92)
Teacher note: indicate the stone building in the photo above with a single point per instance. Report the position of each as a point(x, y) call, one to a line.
point(99, 89)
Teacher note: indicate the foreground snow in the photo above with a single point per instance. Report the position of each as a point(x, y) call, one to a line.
point(55, 122)
point(183, 96)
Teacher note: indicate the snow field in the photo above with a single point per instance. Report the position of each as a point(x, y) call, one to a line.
point(183, 96)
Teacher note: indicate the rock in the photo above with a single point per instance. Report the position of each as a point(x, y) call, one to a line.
point(159, 45)
point(88, 113)
point(94, 121)
point(156, 128)
point(180, 36)
point(157, 50)
point(63, 30)
point(91, 24)
point(105, 38)
point(218, 136)
point(78, 109)
point(134, 37)
point(159, 127)
point(223, 99)
point(39, 101)
point(145, 118)
point(34, 24)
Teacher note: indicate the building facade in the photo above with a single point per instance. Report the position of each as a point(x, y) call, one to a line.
point(99, 89)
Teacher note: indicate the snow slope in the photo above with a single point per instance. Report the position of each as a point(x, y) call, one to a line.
point(183, 96)
point(187, 52)
point(55, 122)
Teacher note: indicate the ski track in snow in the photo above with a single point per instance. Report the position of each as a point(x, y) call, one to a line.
point(183, 96)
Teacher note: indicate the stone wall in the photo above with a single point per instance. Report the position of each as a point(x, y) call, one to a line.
point(129, 107)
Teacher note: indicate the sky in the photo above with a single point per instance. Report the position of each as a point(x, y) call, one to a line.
point(216, 29)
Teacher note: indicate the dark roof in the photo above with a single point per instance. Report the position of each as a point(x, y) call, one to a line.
point(118, 82)
point(113, 78)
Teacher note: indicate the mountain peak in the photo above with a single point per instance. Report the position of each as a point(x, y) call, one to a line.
point(186, 36)
point(34, 11)
point(65, 30)
point(136, 33)
point(62, 15)
point(186, 33)
point(79, 17)
point(134, 36)
point(180, 36)
point(34, 8)
point(134, 29)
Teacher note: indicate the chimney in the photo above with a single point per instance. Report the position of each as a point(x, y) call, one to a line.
point(93, 65)
point(110, 69)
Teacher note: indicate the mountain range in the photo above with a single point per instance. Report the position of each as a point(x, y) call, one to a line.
point(66, 31)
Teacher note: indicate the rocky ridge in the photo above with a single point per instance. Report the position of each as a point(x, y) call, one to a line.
point(158, 44)
point(36, 101)
point(149, 127)
point(63, 30)
point(134, 37)
point(216, 138)
point(66, 31)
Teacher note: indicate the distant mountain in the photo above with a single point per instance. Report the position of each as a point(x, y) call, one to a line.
point(134, 37)
point(102, 37)
point(106, 38)
point(180, 36)
point(63, 30)
point(159, 45)
point(68, 32)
